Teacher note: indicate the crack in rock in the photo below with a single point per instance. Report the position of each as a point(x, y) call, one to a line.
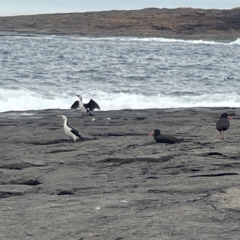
point(214, 175)
point(9, 194)
point(30, 182)
point(66, 192)
point(56, 141)
point(131, 160)
point(17, 166)
point(62, 150)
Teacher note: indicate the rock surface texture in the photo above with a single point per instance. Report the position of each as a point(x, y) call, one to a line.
point(118, 183)
point(186, 23)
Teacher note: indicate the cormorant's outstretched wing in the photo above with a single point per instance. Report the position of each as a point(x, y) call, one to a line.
point(91, 105)
point(75, 105)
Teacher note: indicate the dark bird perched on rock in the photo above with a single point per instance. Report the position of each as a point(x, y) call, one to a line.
point(70, 131)
point(85, 107)
point(223, 124)
point(160, 138)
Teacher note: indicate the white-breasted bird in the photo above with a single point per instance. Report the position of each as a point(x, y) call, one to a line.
point(85, 107)
point(70, 131)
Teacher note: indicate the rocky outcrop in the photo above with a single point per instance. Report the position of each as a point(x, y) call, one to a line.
point(119, 184)
point(185, 23)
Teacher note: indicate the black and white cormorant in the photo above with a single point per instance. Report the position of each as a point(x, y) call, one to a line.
point(85, 107)
point(69, 131)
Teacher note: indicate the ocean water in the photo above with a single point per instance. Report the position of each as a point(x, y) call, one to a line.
point(45, 72)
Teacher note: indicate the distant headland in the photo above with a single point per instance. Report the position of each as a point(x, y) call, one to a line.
point(182, 23)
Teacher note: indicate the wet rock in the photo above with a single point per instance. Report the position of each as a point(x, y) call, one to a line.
point(227, 199)
point(120, 185)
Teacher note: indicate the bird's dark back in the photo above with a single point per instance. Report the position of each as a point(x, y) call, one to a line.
point(222, 124)
point(166, 139)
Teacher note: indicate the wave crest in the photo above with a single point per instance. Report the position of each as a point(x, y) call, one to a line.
point(22, 100)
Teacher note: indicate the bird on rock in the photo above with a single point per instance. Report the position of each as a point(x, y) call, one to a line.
point(223, 124)
point(161, 138)
point(85, 107)
point(70, 131)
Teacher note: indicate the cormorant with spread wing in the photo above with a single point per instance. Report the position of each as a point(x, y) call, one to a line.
point(85, 107)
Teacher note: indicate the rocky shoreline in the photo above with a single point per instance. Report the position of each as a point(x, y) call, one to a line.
point(180, 23)
point(118, 183)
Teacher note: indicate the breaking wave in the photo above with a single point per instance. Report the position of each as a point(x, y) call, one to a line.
point(23, 100)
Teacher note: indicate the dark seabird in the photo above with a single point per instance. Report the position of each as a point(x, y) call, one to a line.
point(160, 138)
point(69, 131)
point(85, 107)
point(223, 124)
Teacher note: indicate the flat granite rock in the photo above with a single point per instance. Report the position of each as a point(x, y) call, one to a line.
point(118, 183)
point(227, 200)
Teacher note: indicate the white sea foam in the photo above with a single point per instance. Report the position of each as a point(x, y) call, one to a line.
point(237, 42)
point(22, 100)
point(18, 100)
point(148, 39)
point(136, 101)
point(160, 40)
point(170, 40)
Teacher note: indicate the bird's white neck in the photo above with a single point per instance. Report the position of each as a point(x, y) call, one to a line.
point(80, 98)
point(64, 122)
